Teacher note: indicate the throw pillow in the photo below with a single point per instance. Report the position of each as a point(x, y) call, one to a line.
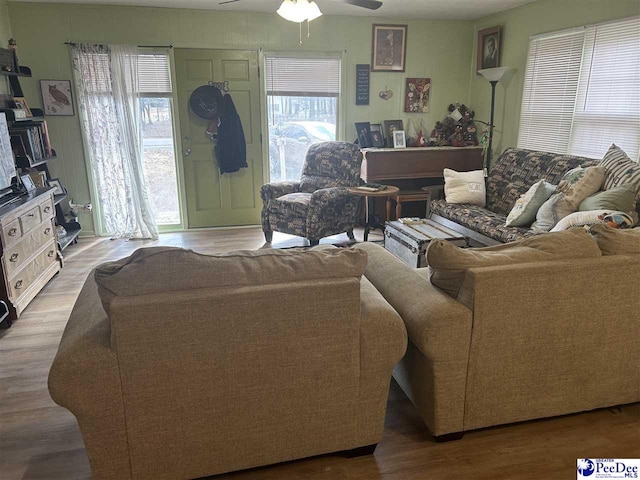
point(576, 185)
point(578, 219)
point(166, 269)
point(620, 169)
point(464, 187)
point(620, 199)
point(613, 241)
point(449, 263)
point(524, 211)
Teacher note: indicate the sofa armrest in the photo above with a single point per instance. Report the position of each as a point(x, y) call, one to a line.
point(271, 191)
point(383, 342)
point(84, 378)
point(437, 324)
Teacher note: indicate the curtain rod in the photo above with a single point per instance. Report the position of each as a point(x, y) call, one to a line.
point(139, 46)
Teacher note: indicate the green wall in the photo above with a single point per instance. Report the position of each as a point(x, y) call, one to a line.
point(440, 50)
point(5, 35)
point(518, 25)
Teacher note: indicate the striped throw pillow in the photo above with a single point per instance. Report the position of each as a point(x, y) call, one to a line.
point(619, 169)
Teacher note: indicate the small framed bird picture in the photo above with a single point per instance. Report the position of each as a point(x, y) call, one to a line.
point(56, 97)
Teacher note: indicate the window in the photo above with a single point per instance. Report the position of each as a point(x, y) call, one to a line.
point(302, 109)
point(582, 90)
point(158, 154)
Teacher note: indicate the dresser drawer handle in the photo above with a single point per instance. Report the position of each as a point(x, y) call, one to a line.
point(47, 231)
point(18, 285)
point(31, 214)
point(13, 232)
point(47, 209)
point(14, 257)
point(51, 253)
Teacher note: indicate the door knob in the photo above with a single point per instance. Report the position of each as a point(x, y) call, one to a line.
point(187, 152)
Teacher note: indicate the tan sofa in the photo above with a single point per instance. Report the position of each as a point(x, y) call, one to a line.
point(210, 364)
point(520, 342)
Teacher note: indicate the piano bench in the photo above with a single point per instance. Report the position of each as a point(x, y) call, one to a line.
point(404, 196)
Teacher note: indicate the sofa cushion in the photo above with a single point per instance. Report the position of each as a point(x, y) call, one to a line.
point(576, 185)
point(480, 220)
point(614, 241)
point(464, 187)
point(168, 269)
point(524, 211)
point(579, 219)
point(620, 169)
point(449, 263)
point(517, 169)
point(619, 198)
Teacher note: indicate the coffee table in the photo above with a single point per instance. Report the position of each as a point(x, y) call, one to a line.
point(409, 242)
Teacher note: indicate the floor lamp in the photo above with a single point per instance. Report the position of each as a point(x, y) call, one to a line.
point(494, 75)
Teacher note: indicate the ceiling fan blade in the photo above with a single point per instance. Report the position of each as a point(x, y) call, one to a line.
point(370, 4)
point(228, 1)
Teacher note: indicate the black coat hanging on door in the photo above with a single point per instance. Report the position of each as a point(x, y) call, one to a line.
point(231, 150)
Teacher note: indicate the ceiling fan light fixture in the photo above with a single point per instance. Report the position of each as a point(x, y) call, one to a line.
point(298, 10)
point(313, 11)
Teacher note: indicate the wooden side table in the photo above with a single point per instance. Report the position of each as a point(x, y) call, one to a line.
point(405, 196)
point(370, 214)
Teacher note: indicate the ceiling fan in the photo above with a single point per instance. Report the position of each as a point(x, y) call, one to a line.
point(312, 8)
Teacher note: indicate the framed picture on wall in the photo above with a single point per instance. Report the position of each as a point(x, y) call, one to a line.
point(489, 47)
point(56, 97)
point(389, 49)
point(417, 95)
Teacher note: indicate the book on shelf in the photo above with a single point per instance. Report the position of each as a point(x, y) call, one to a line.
point(31, 140)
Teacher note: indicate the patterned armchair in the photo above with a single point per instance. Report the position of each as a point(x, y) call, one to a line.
point(319, 205)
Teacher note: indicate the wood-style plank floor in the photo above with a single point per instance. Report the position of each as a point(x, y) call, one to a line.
point(41, 441)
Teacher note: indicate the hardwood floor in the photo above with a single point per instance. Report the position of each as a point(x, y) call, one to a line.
point(41, 441)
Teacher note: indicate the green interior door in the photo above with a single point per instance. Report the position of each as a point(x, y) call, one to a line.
point(215, 200)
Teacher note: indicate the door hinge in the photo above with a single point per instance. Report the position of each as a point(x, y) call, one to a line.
point(258, 72)
point(260, 138)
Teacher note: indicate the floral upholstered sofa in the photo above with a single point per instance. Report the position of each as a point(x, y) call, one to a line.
point(513, 174)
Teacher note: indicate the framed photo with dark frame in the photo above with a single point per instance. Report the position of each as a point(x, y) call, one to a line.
point(56, 97)
point(377, 135)
point(489, 48)
point(391, 126)
point(389, 48)
point(364, 134)
point(58, 187)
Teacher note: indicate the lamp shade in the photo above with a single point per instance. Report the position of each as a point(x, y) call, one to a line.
point(298, 10)
point(494, 74)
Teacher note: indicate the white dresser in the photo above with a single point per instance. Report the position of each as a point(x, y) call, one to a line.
point(29, 249)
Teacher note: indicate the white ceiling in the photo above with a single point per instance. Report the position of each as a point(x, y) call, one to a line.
point(425, 9)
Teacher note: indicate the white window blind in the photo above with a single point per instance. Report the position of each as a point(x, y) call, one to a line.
point(582, 90)
point(153, 74)
point(316, 77)
point(550, 87)
point(608, 101)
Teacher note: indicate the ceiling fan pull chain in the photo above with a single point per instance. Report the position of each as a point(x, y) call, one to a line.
point(300, 25)
point(308, 29)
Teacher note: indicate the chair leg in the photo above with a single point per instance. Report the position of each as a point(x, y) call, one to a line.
point(313, 243)
point(268, 236)
point(351, 235)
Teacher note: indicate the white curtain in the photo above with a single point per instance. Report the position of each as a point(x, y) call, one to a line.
point(106, 78)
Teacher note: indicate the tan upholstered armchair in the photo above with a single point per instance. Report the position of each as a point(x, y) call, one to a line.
point(179, 365)
point(319, 205)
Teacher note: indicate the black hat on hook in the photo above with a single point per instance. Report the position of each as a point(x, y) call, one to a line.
point(206, 102)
